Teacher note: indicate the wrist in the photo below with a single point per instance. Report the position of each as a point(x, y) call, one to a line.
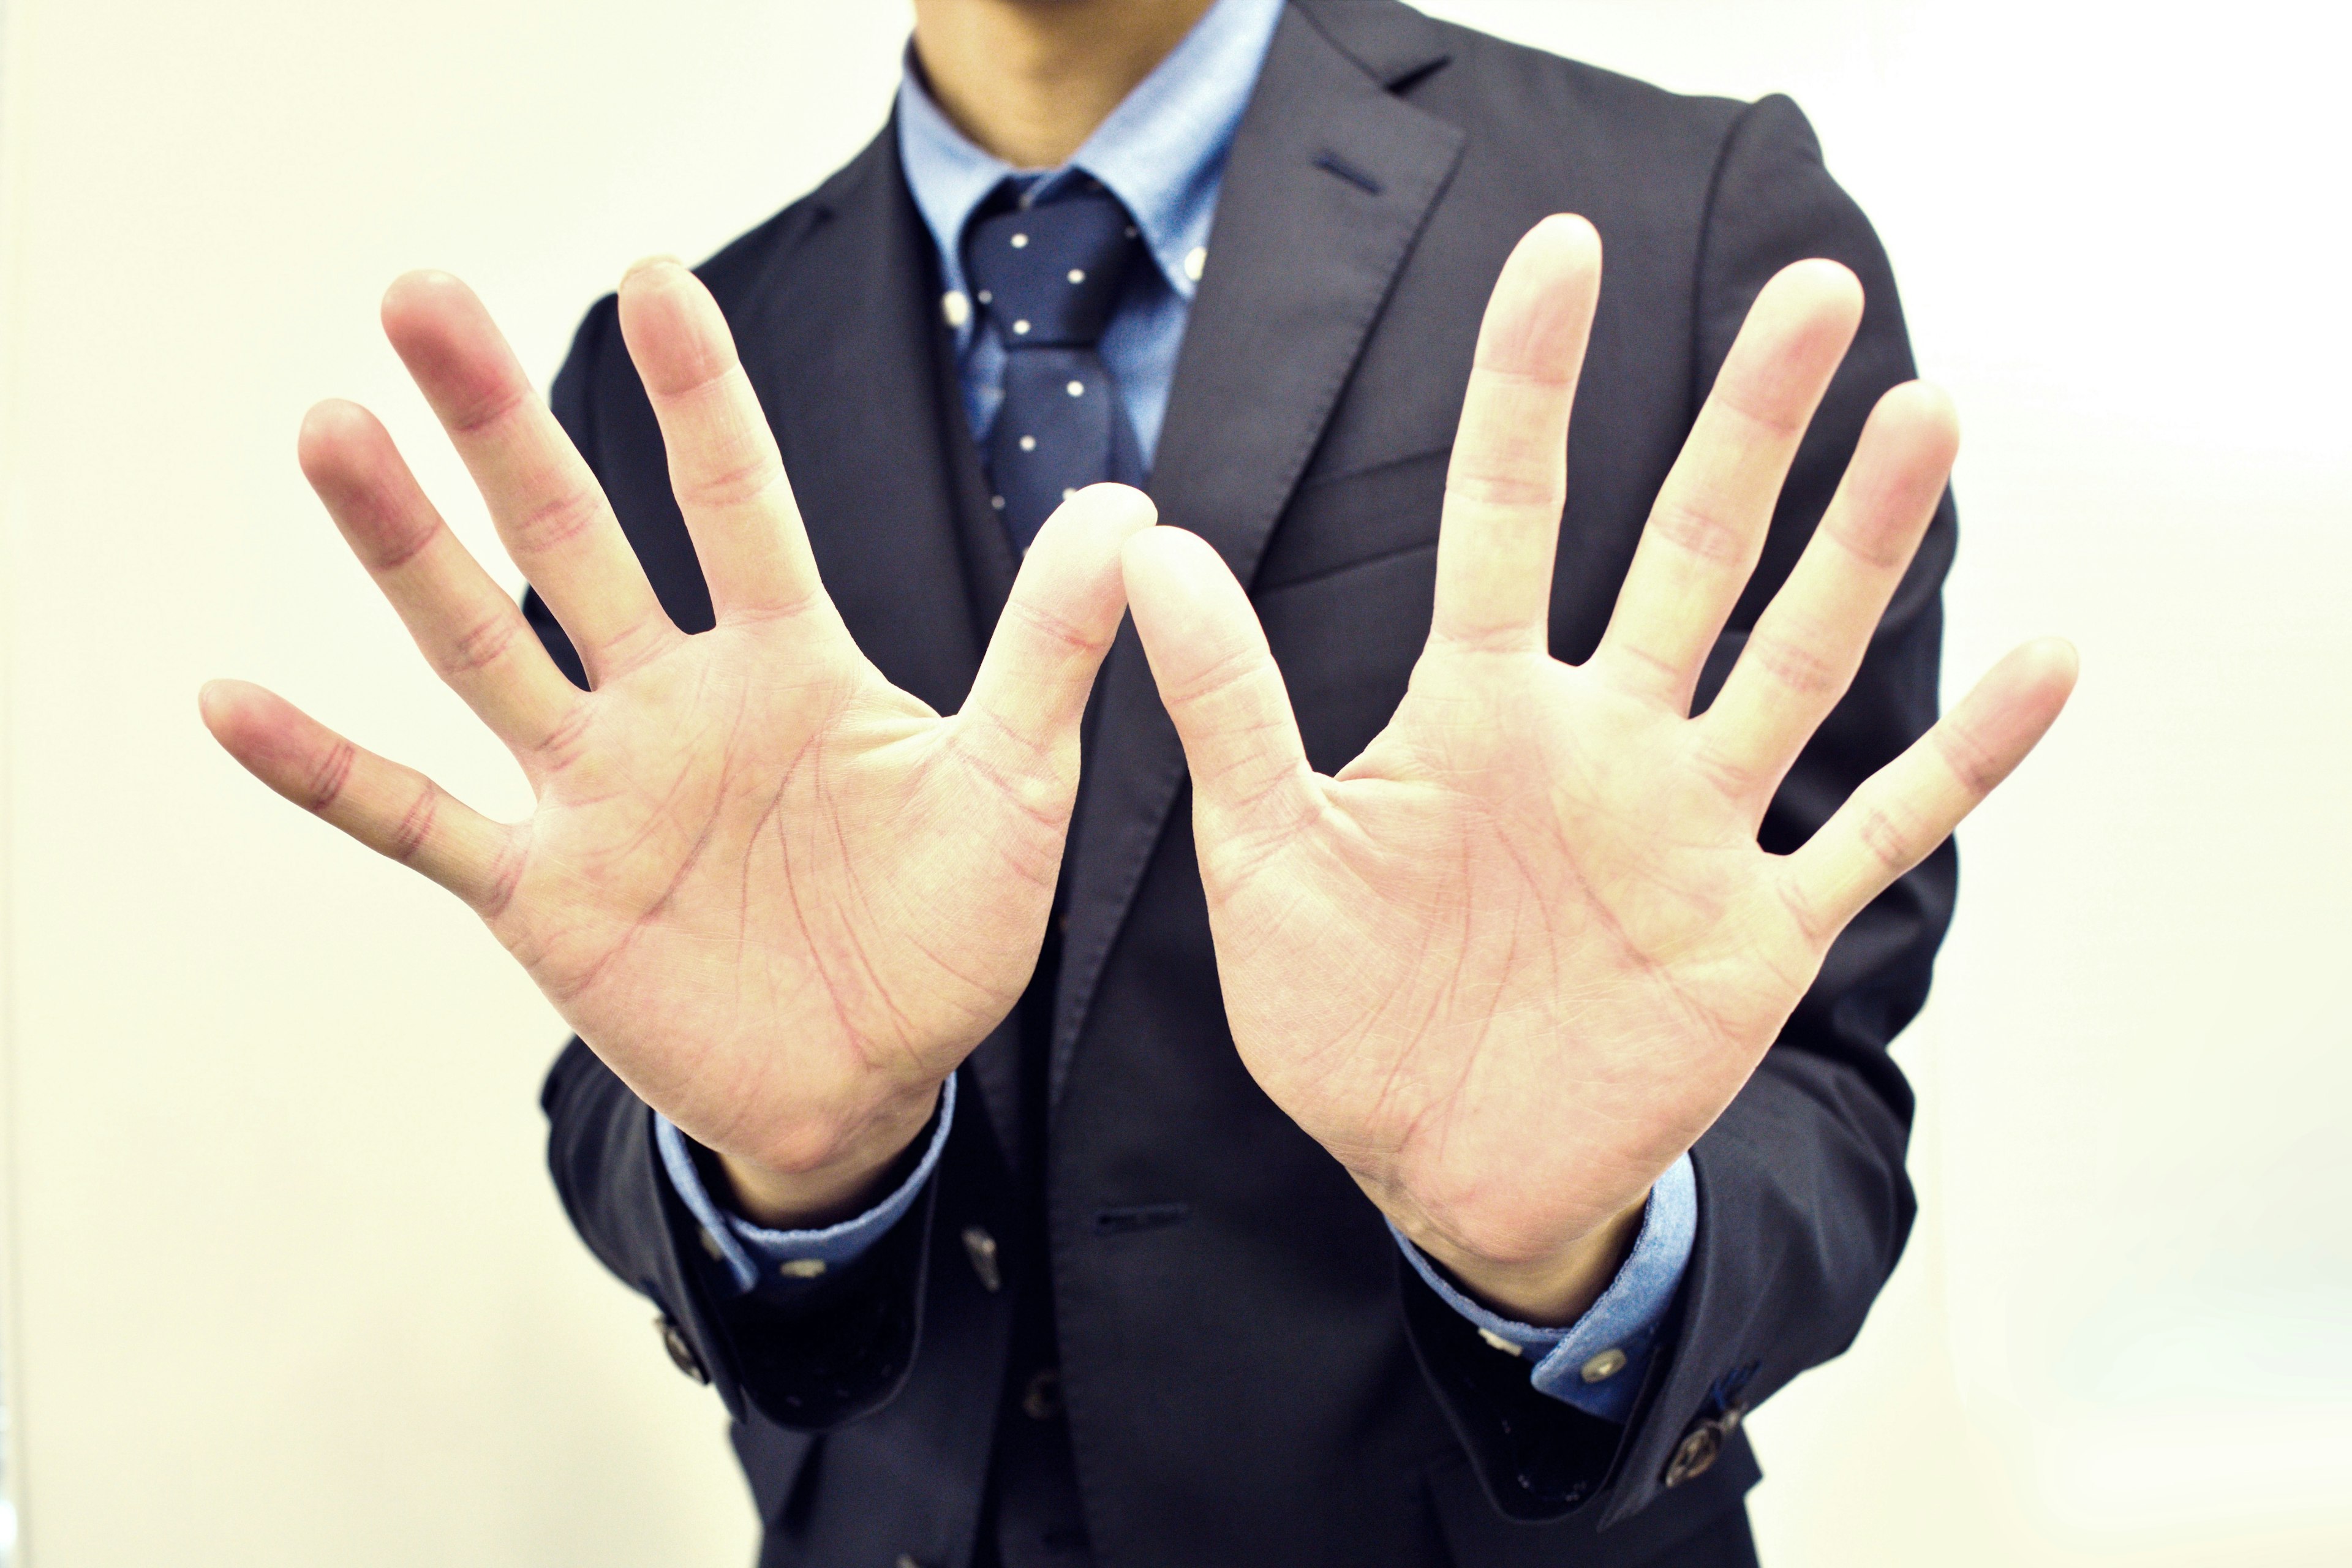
point(847, 1179)
point(1553, 1290)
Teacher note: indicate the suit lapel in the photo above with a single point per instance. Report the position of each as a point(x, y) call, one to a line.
point(844, 344)
point(1329, 182)
point(847, 352)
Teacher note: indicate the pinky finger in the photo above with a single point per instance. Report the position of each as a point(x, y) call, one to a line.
point(1909, 806)
point(394, 811)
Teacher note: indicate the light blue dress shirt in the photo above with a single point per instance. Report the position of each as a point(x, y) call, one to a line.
point(1162, 153)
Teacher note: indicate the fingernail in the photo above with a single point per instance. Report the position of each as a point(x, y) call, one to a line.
point(647, 263)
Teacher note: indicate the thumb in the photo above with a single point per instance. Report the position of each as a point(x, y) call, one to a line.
point(1063, 610)
point(1217, 677)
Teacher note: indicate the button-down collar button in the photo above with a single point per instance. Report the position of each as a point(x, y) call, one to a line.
point(709, 1243)
point(1604, 1366)
point(1041, 1400)
point(1695, 1454)
point(1498, 1341)
point(906, 1559)
point(955, 307)
point(1196, 261)
point(802, 1268)
point(980, 1248)
point(681, 1353)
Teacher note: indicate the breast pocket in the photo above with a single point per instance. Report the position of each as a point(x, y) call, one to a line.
point(1338, 521)
point(1344, 595)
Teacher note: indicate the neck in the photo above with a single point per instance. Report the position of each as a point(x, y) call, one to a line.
point(1030, 79)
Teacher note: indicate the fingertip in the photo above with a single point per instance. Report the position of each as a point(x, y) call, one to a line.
point(1568, 236)
point(1156, 551)
point(2024, 694)
point(1561, 250)
point(1541, 312)
point(652, 276)
point(453, 349)
point(330, 429)
point(2043, 658)
point(420, 301)
point(1090, 530)
point(677, 335)
point(212, 703)
point(1122, 508)
point(1827, 287)
point(1927, 413)
point(645, 264)
point(2058, 661)
point(660, 272)
point(233, 710)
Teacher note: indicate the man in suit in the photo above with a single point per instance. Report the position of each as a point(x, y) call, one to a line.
point(1381, 1057)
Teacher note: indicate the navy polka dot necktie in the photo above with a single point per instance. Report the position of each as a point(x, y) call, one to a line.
point(1049, 277)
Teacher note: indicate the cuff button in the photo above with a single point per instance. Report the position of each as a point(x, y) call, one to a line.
point(1695, 1454)
point(1041, 1400)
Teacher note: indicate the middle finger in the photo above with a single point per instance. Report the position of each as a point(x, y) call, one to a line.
point(1707, 527)
point(550, 510)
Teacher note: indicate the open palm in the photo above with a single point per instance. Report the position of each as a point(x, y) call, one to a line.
point(1512, 960)
point(779, 897)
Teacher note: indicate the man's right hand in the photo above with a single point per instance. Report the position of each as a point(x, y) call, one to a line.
point(781, 898)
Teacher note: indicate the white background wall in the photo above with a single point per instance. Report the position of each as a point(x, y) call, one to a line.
point(286, 1284)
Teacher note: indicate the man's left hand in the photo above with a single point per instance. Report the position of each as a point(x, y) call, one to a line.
point(1511, 962)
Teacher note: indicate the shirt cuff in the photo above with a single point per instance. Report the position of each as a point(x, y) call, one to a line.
point(751, 1254)
point(1596, 1363)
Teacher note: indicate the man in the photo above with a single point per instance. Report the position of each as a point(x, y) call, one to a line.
point(1434, 1154)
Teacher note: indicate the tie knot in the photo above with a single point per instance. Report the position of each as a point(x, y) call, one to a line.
point(1049, 275)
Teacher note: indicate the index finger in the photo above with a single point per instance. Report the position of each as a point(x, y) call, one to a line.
point(550, 510)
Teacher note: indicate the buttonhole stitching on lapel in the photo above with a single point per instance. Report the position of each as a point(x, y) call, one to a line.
point(1139, 1217)
point(1332, 163)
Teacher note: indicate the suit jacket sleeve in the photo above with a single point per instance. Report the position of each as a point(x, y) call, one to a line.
point(809, 1358)
point(1803, 1202)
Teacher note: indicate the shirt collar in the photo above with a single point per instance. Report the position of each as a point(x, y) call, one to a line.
point(1161, 152)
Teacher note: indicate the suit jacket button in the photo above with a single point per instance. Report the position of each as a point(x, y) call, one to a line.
point(1695, 1454)
point(980, 1248)
point(680, 1352)
point(1041, 1400)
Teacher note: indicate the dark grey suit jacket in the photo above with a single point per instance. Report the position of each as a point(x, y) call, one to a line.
point(1250, 1376)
